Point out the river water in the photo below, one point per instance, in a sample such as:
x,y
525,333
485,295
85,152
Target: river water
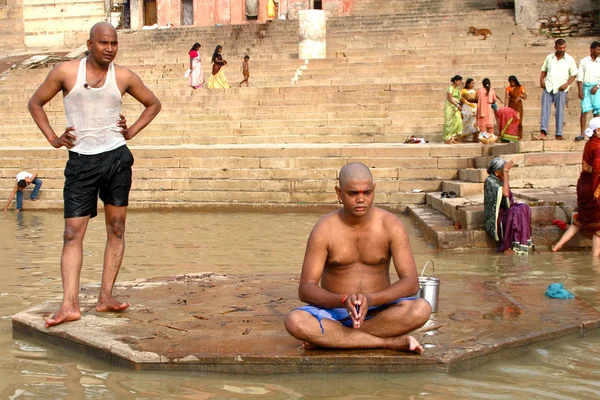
x,y
167,243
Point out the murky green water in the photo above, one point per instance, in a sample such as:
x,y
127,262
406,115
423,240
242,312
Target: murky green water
x,y
161,244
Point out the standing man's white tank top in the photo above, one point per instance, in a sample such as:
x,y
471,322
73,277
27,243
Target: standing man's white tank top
x,y
94,113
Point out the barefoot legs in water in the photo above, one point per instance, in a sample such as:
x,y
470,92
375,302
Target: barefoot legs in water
x,y
72,260
596,245
568,235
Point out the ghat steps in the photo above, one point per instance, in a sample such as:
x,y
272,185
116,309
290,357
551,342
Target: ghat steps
x,y
281,142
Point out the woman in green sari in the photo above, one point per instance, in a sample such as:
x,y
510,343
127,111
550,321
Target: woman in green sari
x,y
453,125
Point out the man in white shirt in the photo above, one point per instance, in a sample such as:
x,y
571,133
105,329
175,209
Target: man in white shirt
x,y
99,162
24,179
588,83
558,72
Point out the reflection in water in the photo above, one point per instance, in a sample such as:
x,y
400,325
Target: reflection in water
x,y
167,243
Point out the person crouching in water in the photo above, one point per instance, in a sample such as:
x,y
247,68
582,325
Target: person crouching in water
x,y
507,221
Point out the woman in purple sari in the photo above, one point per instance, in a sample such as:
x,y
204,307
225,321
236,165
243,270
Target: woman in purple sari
x,y
507,221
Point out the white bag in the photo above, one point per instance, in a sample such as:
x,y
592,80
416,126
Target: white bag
x,y
187,73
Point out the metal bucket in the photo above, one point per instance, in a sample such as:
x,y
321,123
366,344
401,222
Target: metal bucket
x,y
429,288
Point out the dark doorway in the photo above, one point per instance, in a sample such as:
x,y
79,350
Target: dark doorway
x,y
318,4
150,17
126,15
187,12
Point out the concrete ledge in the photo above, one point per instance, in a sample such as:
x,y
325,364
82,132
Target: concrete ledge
x,y
234,324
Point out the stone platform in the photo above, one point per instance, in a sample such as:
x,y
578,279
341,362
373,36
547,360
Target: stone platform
x,y
212,322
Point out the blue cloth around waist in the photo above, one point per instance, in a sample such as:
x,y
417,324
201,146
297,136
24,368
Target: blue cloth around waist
x,y
341,314
590,102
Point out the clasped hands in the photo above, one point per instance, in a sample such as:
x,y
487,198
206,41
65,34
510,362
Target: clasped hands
x,y
357,306
67,139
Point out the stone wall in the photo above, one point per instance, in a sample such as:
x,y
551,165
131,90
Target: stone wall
x,y
559,18
11,26
294,6
60,23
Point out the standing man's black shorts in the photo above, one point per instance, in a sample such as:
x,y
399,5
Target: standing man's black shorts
x,y
86,176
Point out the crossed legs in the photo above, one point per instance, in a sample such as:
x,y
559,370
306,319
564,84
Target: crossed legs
x,y
382,331
72,260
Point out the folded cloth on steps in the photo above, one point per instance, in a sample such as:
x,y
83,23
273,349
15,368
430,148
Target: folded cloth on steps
x,y
556,291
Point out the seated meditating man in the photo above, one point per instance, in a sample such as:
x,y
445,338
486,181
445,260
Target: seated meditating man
x,y
349,251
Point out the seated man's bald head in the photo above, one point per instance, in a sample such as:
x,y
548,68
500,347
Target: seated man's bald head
x,y
100,27
354,171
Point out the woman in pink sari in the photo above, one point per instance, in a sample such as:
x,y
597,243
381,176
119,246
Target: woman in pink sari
x,y
486,96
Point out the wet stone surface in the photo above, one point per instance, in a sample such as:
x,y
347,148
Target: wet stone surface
x,y
234,323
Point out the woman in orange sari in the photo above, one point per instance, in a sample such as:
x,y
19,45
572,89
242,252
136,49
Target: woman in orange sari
x,y
588,193
513,97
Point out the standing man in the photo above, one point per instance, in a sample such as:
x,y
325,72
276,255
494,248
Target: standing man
x,y
558,72
349,252
588,82
24,179
99,161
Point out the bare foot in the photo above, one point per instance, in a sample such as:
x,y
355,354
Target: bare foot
x,y
110,304
508,251
64,314
555,248
405,343
308,346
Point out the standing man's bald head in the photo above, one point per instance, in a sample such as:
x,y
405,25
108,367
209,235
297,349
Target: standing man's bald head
x,y
354,171
101,27
102,45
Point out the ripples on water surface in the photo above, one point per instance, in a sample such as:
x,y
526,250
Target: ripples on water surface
x,y
166,243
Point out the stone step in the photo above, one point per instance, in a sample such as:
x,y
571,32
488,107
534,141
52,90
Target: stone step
x,y
228,200
536,159
388,150
463,189
441,232
468,211
537,177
